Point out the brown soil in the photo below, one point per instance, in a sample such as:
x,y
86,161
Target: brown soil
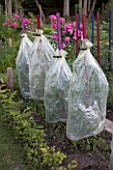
x,y
87,159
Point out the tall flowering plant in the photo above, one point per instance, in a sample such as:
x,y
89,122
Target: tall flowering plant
x,y
16,24
68,31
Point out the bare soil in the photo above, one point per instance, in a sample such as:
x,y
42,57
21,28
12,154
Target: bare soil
x,y
87,159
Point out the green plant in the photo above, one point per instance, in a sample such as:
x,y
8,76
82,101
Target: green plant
x,y
19,118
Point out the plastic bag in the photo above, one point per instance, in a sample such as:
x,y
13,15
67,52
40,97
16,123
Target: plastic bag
x,y
41,60
87,96
111,157
56,90
22,65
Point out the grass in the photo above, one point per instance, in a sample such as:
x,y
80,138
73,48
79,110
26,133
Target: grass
x,y
11,156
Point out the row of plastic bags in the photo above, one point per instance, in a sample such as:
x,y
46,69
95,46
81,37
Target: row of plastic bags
x,y
32,63
77,98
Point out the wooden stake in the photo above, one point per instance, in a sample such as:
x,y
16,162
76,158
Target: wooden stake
x,y
22,23
110,29
38,22
92,28
84,25
59,32
110,38
10,78
77,34
102,10
98,36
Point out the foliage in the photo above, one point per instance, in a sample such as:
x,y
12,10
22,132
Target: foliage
x,y
15,24
68,36
10,152
42,142
106,64
7,55
15,114
68,31
11,29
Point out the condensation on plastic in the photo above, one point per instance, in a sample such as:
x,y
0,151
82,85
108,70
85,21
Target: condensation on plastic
x,y
111,157
56,90
22,66
87,97
41,60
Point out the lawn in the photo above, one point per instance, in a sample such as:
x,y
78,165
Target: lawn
x,y
11,154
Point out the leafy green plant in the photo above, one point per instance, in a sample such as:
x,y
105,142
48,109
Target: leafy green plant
x,y
31,135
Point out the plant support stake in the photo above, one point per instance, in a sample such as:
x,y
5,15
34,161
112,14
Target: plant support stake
x,y
92,28
10,78
84,25
38,22
98,36
110,38
59,32
23,23
77,20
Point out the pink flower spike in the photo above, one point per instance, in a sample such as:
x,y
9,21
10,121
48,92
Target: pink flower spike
x,y
62,20
53,17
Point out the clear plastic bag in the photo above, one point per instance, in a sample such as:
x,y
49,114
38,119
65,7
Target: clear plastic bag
x,y
41,60
111,157
56,90
22,66
87,97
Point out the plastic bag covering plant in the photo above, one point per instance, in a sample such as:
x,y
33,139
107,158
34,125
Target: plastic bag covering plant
x,y
111,157
56,90
22,65
87,96
41,60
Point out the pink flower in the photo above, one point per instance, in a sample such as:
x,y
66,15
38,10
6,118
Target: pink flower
x,y
63,45
62,20
8,22
82,36
53,17
79,33
55,36
64,32
68,26
54,26
26,21
16,16
14,24
70,30
29,28
81,26
74,23
67,39
74,37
